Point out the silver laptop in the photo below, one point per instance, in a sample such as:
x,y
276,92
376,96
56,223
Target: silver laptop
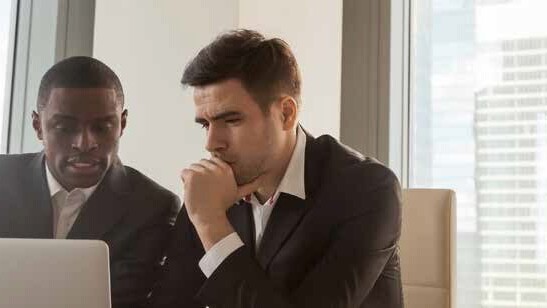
x,y
54,274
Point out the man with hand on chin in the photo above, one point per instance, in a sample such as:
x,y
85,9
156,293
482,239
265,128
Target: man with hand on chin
x,y
276,217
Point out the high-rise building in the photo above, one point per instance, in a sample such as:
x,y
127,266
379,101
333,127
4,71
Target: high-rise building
x,y
442,151
511,172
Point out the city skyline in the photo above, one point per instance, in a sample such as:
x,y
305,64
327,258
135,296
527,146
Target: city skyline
x,y
461,44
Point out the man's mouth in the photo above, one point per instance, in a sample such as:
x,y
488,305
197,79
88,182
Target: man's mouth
x,y
84,165
227,161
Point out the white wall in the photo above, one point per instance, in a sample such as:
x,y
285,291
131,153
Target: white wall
x,y
148,43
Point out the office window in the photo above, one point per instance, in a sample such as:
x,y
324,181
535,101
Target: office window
x,y
478,125
5,63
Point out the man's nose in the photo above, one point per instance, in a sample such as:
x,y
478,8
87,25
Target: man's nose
x,y
215,141
85,141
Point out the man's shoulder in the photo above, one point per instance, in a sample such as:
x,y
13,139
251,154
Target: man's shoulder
x,y
347,172
15,170
143,183
14,162
342,160
355,184
14,158
144,186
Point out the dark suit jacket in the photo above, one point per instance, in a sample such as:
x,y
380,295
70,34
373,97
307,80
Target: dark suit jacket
x,y
128,211
338,248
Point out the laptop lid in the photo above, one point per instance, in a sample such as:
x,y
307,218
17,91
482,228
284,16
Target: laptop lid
x,y
54,273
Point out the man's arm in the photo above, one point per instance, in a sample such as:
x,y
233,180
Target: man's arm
x,y
360,248
181,276
135,270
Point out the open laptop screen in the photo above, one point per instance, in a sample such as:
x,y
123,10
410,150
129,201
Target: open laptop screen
x,y
54,273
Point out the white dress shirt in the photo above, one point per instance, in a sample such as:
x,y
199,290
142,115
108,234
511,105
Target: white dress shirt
x,y
66,205
292,183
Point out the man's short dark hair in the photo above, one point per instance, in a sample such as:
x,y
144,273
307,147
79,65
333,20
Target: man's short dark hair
x,y
78,72
266,68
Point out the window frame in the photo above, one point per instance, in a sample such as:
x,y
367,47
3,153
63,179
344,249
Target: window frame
x,y
7,106
375,81
45,33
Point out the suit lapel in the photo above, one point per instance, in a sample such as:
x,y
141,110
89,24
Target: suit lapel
x,y
289,210
105,207
286,215
241,217
39,209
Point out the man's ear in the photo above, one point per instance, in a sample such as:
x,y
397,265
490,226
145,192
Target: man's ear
x,y
289,112
123,121
37,125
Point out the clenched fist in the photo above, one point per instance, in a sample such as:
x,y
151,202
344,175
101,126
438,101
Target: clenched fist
x,y
210,189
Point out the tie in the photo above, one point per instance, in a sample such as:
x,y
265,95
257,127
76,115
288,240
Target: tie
x,y
241,216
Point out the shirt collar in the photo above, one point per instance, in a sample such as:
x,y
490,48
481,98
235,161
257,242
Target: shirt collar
x,y
55,187
293,182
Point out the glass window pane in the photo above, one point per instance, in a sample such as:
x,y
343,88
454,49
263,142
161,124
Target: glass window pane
x,y
5,25
479,126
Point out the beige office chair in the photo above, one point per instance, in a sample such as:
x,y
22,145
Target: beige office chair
x,y
428,248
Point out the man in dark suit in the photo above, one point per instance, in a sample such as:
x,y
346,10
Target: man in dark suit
x,y
276,218
77,188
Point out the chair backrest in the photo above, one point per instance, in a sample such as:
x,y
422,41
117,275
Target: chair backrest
x,y
428,248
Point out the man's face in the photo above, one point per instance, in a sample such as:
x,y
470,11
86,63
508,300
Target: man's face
x,y
80,129
238,132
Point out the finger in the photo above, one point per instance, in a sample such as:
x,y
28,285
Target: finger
x,y
222,164
249,188
197,167
185,173
209,164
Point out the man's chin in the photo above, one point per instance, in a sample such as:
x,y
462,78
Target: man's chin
x,y
85,184
240,181
80,180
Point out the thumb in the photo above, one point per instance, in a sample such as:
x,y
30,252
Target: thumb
x,y
249,188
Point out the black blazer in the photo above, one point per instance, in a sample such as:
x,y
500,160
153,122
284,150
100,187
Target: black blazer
x,y
128,211
338,248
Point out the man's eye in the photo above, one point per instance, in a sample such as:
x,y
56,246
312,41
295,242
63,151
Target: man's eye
x,y
102,128
232,121
205,125
65,128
